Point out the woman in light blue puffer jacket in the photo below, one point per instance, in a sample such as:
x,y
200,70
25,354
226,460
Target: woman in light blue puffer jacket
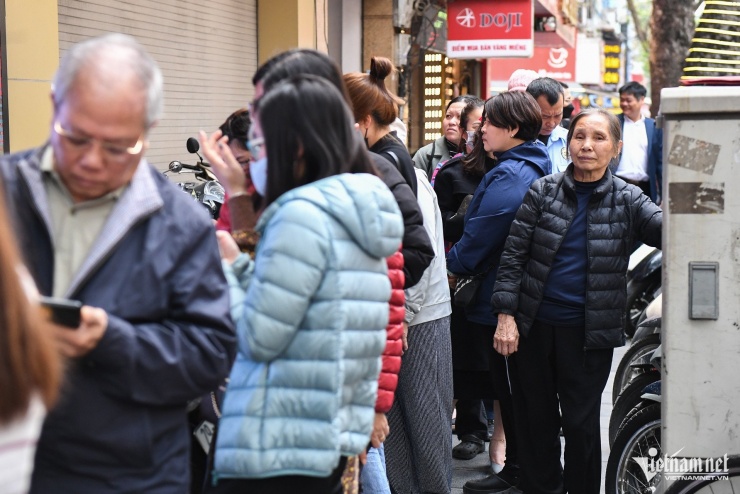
x,y
312,306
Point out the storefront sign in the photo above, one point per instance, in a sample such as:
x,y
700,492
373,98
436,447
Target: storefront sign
x,y
485,29
558,62
612,64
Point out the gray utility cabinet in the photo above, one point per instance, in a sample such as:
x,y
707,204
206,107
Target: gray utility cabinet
x,y
701,271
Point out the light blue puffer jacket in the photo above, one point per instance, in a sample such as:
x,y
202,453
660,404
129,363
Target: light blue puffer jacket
x,y
310,312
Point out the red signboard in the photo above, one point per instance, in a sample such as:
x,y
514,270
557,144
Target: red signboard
x,y
558,62
486,29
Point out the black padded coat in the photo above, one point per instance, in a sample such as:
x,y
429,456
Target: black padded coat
x,y
618,215
417,249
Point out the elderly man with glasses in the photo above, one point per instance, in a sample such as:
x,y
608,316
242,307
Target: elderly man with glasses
x,y
96,223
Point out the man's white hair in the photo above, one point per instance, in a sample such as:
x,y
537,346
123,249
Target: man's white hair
x,y
135,59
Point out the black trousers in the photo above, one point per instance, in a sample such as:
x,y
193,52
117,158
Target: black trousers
x,y
552,374
470,374
500,377
288,484
470,419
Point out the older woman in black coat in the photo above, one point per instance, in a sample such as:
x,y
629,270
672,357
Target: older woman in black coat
x,y
560,296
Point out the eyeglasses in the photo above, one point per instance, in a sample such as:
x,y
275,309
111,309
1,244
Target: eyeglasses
x,y
254,146
113,152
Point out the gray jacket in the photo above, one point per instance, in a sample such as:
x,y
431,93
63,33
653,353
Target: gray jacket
x,y
429,300
428,157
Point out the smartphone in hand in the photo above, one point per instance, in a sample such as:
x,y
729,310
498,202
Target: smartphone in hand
x,y
62,311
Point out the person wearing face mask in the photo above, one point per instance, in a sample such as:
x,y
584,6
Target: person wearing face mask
x,y
416,252
443,148
469,122
550,96
236,128
511,121
417,449
455,181
375,109
310,302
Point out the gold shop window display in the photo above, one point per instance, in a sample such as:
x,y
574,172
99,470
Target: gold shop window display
x,y
432,95
442,78
438,89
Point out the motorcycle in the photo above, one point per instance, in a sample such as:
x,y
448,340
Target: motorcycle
x,y
206,189
643,286
636,359
638,438
645,373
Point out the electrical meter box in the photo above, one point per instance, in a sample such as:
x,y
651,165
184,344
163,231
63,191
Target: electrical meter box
x,y
701,271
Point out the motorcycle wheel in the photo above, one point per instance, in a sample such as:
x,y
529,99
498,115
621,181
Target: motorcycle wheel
x,y
639,296
639,437
625,373
627,400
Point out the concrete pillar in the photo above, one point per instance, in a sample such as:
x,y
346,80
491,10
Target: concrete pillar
x,y
32,52
379,39
286,24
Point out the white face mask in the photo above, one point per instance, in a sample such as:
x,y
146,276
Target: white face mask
x,y
258,173
470,141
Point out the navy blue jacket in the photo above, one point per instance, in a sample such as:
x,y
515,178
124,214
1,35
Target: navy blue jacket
x,y
655,156
489,217
120,424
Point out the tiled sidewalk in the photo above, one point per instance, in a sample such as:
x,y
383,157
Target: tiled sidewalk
x,y
464,470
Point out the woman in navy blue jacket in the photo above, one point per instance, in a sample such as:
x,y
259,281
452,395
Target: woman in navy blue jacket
x,y
511,122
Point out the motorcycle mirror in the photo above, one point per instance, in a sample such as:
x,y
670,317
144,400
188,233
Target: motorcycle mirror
x,y
192,145
175,166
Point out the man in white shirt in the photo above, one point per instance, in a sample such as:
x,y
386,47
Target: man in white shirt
x,y
641,163
550,96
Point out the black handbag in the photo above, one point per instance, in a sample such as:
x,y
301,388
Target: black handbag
x,y
466,288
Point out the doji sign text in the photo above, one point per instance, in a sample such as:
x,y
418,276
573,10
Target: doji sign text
x,y
506,21
481,28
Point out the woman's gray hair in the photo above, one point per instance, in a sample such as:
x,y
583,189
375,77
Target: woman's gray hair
x,y
138,61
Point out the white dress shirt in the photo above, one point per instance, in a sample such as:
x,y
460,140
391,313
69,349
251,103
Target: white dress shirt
x,y
634,162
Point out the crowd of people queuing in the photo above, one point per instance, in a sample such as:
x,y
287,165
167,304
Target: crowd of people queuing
x,y
347,299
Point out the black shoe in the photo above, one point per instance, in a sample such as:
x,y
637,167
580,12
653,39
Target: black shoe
x,y
470,447
506,479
